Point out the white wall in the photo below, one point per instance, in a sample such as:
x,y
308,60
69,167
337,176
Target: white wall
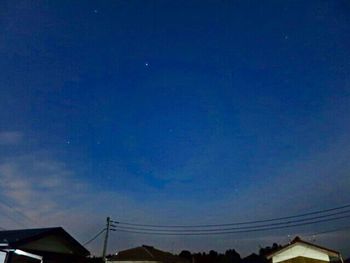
x,y
2,256
300,250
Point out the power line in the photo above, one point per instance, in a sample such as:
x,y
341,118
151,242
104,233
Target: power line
x,y
229,232
331,231
21,214
11,217
96,236
235,223
236,228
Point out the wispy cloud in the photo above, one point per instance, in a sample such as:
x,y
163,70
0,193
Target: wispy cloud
x,y
36,185
38,190
10,137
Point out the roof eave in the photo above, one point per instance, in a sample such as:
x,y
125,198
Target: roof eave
x,y
329,252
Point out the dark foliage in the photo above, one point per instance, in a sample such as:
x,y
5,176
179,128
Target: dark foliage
x,y
268,250
186,255
254,258
230,256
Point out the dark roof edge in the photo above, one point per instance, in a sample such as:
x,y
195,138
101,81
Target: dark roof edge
x,y
50,230
74,242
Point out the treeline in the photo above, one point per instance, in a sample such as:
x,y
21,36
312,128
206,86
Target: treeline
x,y
230,256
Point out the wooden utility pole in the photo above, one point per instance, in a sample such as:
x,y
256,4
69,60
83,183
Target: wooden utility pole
x,y
106,239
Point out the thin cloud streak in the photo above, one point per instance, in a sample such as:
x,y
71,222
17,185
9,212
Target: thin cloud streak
x,y
42,191
10,138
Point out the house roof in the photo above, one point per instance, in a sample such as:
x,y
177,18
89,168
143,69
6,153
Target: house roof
x,y
20,237
298,240
145,253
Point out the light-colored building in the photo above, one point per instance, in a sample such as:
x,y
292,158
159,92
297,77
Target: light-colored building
x,y
300,251
145,254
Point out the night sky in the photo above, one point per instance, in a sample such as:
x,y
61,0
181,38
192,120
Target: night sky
x,y
174,112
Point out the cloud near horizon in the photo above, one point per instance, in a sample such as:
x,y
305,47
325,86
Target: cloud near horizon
x,y
39,191
10,138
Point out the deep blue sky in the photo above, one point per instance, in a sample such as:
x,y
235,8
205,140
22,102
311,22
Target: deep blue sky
x,y
174,112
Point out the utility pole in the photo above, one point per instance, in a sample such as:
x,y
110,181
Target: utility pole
x,y
106,240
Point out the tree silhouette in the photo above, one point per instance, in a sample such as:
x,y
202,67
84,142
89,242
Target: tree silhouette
x,y
186,255
268,250
232,256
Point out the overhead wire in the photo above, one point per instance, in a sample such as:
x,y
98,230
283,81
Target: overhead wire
x,y
332,231
237,228
156,232
325,215
18,212
12,218
94,237
234,223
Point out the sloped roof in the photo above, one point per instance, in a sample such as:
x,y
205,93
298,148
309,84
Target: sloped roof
x,y
20,237
145,253
298,240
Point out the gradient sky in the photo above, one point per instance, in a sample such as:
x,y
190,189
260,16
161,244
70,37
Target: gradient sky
x,y
174,112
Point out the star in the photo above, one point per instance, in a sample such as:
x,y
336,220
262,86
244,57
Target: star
x,y
95,11
68,142
146,64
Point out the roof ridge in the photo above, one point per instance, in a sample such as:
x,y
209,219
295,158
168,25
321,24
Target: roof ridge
x,y
297,240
